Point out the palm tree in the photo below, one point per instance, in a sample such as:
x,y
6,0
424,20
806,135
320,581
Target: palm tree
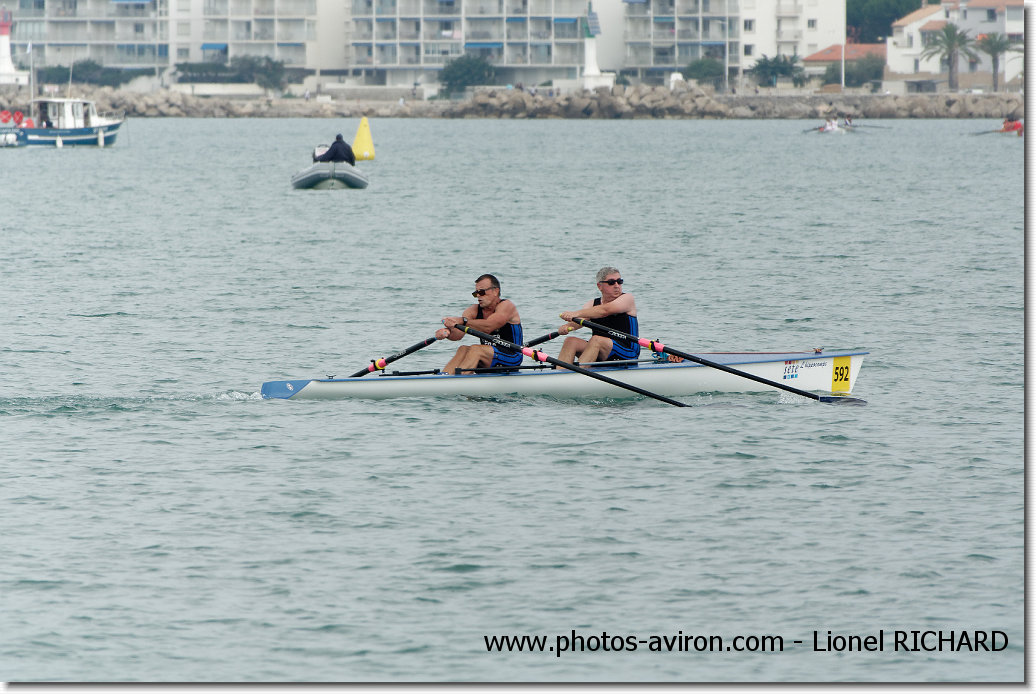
x,y
995,45
949,44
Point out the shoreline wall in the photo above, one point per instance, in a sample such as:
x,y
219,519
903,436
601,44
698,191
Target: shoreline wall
x,y
632,102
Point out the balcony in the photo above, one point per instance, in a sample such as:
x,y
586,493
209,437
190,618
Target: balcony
x,y
539,8
637,56
484,7
483,35
540,55
569,8
568,55
516,55
442,8
663,57
789,8
719,8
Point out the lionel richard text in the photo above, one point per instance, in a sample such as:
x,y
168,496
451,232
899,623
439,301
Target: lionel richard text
x,y
911,640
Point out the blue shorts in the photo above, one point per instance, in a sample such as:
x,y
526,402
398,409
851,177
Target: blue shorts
x,y
506,358
621,352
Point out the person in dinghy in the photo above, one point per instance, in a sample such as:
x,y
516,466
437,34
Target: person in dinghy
x,y
490,314
338,151
614,309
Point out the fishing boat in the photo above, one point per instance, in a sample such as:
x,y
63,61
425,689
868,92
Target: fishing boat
x,y
329,175
58,122
832,372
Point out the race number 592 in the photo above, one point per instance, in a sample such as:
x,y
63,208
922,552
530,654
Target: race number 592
x,y
840,375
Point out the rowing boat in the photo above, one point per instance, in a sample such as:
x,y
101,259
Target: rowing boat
x,y
829,372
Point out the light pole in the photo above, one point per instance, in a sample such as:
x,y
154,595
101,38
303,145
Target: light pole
x,y
845,13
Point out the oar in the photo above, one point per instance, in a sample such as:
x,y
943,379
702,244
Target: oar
x,y
543,338
877,127
381,363
659,347
540,356
987,132
813,130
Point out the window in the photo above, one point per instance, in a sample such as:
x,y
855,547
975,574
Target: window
x,y
138,28
811,24
748,49
183,28
749,26
990,15
917,66
183,54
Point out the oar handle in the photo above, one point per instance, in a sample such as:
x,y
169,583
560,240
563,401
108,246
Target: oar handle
x,y
659,347
540,356
377,364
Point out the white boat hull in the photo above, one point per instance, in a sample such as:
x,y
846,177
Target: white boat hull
x,y
832,372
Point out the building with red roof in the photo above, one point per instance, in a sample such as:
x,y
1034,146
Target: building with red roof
x,y
817,63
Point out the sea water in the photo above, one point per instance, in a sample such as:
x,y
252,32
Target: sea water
x,y
162,522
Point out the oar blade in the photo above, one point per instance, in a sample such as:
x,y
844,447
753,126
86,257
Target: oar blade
x,y
841,400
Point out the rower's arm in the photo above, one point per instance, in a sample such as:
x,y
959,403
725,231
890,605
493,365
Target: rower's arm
x,y
505,312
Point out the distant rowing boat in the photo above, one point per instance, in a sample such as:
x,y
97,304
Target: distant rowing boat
x,y
827,372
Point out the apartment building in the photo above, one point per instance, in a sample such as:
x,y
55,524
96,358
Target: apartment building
x,y
663,35
160,33
115,33
911,35
408,41
402,42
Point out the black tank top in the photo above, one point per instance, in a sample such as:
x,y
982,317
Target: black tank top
x,y
617,321
512,332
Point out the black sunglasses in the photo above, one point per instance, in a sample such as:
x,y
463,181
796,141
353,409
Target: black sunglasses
x,y
482,292
611,282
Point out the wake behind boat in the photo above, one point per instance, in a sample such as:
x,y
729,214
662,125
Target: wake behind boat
x,y
831,372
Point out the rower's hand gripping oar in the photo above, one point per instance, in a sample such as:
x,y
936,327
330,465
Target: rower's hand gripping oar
x,y
377,364
659,347
540,356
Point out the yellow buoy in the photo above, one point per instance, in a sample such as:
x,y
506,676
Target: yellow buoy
x,y
363,145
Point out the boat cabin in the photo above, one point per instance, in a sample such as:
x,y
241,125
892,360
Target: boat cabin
x,y
64,113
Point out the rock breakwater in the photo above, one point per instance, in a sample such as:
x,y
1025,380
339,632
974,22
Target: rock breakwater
x,y
629,102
